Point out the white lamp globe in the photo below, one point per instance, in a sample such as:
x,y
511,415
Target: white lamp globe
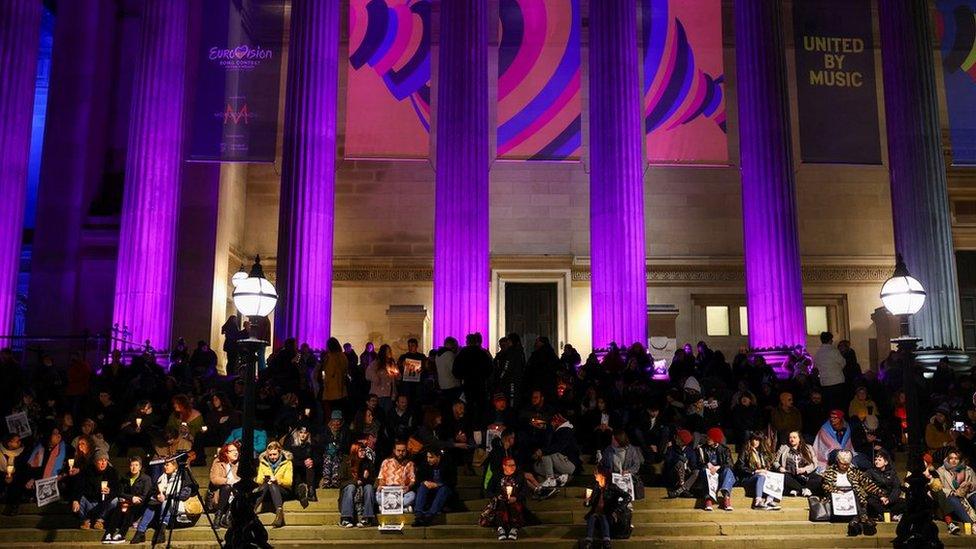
x,y
255,295
902,294
239,276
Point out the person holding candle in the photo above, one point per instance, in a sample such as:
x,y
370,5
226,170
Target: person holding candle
x,y
505,510
138,428
185,418
99,485
331,373
608,511
13,463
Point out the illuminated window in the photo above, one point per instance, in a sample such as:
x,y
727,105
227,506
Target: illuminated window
x,y
717,321
816,320
743,321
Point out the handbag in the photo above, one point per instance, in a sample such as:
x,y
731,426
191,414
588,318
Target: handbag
x,y
819,509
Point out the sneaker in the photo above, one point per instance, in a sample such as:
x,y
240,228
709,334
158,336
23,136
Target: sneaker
x,y
346,523
546,493
727,503
408,510
806,493
502,535
117,539
758,504
562,479
107,539
361,523
954,529
549,482
182,518
140,537
793,493
772,506
513,534
708,505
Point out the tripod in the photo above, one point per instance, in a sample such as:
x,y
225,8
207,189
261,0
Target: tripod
x,y
171,506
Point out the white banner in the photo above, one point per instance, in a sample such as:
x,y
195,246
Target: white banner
x,y
844,503
625,483
392,500
46,490
18,424
773,485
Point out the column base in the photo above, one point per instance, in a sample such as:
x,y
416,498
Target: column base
x,y
928,358
785,361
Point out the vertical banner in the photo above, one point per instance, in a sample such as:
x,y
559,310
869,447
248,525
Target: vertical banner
x,y
955,25
539,105
835,82
683,88
388,85
236,92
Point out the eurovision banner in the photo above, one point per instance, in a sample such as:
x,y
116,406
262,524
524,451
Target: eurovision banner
x,y
539,105
955,24
236,92
388,79
835,82
684,81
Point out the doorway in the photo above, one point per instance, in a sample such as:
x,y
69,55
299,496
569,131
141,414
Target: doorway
x,y
531,310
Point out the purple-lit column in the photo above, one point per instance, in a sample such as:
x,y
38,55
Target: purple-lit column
x,y
305,222
461,268
150,201
919,196
618,280
774,288
20,24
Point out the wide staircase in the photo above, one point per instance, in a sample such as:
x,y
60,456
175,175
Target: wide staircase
x,y
557,522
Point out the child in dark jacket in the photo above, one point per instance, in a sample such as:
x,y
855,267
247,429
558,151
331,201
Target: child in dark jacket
x,y
506,502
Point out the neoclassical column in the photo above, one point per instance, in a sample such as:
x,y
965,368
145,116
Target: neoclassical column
x,y
73,158
20,25
150,200
307,214
774,289
618,280
461,267
919,199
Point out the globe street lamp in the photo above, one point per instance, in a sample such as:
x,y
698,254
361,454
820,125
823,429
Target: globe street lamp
x,y
254,296
903,296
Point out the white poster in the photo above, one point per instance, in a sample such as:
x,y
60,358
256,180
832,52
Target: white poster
x,y
18,424
46,490
411,369
494,432
844,503
392,497
625,483
712,484
773,486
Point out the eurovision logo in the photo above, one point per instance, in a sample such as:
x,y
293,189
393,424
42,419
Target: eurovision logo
x,y
240,58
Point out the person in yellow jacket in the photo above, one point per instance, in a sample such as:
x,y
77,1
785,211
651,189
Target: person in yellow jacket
x,y
274,480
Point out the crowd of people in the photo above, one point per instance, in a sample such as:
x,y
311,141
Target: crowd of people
x,y
525,421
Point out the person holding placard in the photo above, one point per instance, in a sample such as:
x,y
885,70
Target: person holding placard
x,y
795,460
505,510
752,467
716,462
848,489
623,458
397,470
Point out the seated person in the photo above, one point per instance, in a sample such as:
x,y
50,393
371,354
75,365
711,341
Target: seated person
x,y
397,470
356,490
171,444
501,414
335,441
303,454
98,486
504,447
681,467
958,485
883,474
608,511
751,468
172,483
861,405
834,434
436,480
457,430
401,422
274,480
624,458
138,428
560,457
795,460
223,477
715,459
135,489
842,477
505,510
13,463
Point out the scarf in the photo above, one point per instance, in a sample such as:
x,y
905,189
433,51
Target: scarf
x,y
54,462
826,442
958,473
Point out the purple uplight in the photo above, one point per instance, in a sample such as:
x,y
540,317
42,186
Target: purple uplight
x,y
307,216
461,265
20,27
618,286
774,289
150,203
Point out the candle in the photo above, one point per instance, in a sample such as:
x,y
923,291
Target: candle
x,y
183,424
71,463
203,429
138,422
10,470
589,492
968,528
308,412
887,517
104,485
508,491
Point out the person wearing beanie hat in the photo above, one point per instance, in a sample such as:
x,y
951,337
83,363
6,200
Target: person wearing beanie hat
x,y
716,466
335,443
560,457
681,466
97,490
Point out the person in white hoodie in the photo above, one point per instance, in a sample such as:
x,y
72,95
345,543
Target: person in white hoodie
x,y
450,386
830,364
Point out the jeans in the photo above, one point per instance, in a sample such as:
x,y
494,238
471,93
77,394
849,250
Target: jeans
x,y
595,520
408,498
424,506
554,464
347,503
958,509
758,481
95,510
726,480
151,513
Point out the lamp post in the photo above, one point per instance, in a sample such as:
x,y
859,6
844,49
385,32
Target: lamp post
x,y
254,296
903,296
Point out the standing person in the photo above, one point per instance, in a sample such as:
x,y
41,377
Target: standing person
x,y
332,372
541,368
473,367
232,334
382,374
508,369
830,364
449,385
411,387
